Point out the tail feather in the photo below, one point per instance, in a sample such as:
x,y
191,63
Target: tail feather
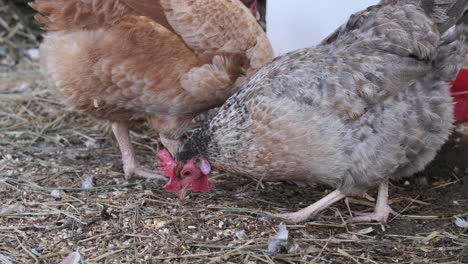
x,y
446,13
451,53
78,14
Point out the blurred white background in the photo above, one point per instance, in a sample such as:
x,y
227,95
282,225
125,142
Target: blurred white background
x,y
294,24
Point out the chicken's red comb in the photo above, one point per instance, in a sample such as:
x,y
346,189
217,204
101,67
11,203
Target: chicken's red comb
x,y
168,166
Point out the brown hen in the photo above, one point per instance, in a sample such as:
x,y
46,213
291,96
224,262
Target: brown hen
x,y
162,61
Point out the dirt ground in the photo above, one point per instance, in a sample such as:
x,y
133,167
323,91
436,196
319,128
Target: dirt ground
x,y
62,190
48,151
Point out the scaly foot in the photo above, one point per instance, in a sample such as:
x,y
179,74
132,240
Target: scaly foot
x,y
130,166
382,208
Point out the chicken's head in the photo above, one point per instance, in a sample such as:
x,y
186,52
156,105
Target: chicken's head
x,y
193,175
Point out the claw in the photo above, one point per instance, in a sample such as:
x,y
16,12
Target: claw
x,y
382,208
379,215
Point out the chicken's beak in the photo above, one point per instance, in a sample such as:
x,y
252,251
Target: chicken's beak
x,y
182,192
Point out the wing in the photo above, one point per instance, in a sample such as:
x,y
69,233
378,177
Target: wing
x,y
211,26
378,53
354,22
151,9
75,14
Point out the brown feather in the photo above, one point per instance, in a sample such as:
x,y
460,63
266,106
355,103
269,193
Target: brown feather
x,y
152,9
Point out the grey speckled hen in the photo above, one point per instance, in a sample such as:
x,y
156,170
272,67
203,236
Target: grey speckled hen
x,y
371,103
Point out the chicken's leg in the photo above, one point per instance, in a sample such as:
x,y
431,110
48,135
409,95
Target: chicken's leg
x,y
130,166
382,208
312,210
170,144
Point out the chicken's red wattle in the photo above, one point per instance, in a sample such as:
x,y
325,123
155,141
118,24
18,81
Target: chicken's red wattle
x,y
201,185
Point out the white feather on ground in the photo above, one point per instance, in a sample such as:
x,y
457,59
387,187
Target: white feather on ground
x,y
5,260
461,222
87,182
280,241
73,258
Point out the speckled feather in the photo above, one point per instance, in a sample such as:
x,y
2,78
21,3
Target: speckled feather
x,y
370,103
133,60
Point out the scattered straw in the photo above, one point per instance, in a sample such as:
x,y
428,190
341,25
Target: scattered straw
x,y
45,146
